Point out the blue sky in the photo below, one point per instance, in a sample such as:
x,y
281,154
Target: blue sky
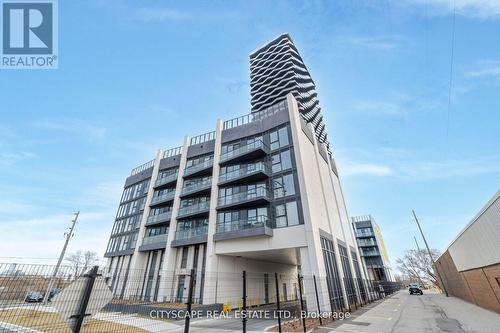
x,y
137,76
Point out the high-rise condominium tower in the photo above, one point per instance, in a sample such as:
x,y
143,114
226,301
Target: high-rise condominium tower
x,y
260,193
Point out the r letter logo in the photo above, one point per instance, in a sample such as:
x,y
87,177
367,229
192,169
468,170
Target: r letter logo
x,y
29,34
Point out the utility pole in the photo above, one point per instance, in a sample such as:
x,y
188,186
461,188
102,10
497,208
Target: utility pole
x,y
418,248
61,257
429,251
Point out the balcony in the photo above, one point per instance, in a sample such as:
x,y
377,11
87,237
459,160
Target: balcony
x,y
252,227
194,210
203,186
370,253
246,173
252,197
248,152
360,233
169,196
190,236
154,242
166,180
160,218
199,169
367,242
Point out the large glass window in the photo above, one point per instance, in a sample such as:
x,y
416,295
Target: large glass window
x,y
286,214
281,161
279,138
283,186
198,160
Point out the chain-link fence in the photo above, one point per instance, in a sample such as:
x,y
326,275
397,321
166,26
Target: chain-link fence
x,y
98,300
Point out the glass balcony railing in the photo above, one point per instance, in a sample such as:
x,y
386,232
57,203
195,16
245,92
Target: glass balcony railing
x,y
370,253
163,217
155,239
253,194
191,233
198,167
163,198
364,233
366,242
198,186
257,145
166,180
244,171
194,209
244,224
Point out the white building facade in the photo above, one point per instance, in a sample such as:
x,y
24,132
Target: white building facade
x,y
261,194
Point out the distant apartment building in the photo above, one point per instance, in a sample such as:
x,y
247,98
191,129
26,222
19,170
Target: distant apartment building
x,y
260,193
470,266
372,248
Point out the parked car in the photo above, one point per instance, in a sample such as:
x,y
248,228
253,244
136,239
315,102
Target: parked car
x,y
54,292
415,289
34,297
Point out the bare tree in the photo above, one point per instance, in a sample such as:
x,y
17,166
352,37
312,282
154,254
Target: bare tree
x,y
418,266
89,259
75,260
80,261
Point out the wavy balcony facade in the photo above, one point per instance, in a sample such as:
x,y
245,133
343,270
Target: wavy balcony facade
x,y
276,70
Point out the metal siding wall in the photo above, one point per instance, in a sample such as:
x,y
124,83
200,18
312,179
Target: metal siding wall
x,y
479,245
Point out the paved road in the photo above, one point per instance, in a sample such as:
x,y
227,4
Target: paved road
x,y
414,313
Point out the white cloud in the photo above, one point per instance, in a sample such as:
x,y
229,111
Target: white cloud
x,y
161,14
9,159
487,69
74,127
379,107
382,43
370,169
477,9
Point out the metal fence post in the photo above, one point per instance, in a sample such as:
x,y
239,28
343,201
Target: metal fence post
x,y
317,300
278,301
189,301
85,300
301,303
244,318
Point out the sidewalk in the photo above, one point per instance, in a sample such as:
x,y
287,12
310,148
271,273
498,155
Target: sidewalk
x,y
471,317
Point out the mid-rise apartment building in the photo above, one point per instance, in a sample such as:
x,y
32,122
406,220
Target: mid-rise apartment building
x,y
372,248
260,193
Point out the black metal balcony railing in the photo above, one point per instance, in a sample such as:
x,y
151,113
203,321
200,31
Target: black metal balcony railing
x,y
196,187
191,233
244,172
155,239
163,217
248,149
166,180
194,209
163,198
243,224
256,194
198,167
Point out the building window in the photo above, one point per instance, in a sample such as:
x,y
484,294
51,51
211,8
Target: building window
x,y
279,138
286,214
184,258
198,160
281,161
283,186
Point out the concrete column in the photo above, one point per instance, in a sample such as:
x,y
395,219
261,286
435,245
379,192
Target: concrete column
x,y
168,277
312,256
138,264
209,292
